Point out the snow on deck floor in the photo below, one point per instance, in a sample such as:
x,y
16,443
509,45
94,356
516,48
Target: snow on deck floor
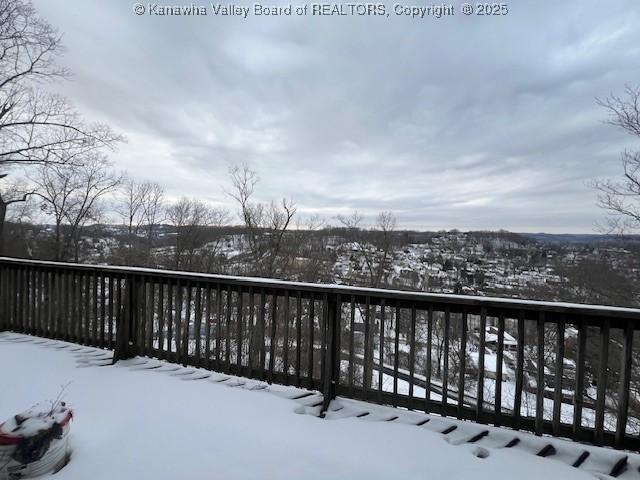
x,y
138,424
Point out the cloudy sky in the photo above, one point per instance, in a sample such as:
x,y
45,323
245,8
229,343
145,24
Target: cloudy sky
x,y
458,122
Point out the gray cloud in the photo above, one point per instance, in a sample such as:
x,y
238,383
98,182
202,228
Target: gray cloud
x,y
452,122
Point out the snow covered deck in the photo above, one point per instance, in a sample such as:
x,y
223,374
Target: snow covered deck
x,y
145,418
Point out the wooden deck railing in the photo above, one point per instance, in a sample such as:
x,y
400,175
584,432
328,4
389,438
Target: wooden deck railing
x,y
376,345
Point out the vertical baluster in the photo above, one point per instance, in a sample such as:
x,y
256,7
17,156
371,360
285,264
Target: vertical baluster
x,y
366,378
13,297
94,319
68,305
463,363
170,316
86,319
119,304
499,360
19,300
23,298
602,381
20,291
445,369
89,309
41,304
218,326
252,336
151,314
540,376
517,402
273,339
352,362
285,348
198,327
9,296
312,318
57,311
50,303
178,322
412,354
77,305
261,334
161,318
381,353
482,334
579,388
396,357
26,300
31,305
625,379
207,332
323,341
112,311
227,330
557,394
103,310
143,284
5,297
186,333
37,294
337,338
239,325
33,290
140,284
84,308
429,366
298,337
20,311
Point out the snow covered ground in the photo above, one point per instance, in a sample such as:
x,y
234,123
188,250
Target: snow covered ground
x,y
134,423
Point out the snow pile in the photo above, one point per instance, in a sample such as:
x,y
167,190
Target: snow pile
x,y
35,442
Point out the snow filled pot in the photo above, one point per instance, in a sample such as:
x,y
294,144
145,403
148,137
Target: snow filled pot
x,y
35,442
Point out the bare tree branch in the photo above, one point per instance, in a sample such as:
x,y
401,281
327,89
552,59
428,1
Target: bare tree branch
x,y
621,198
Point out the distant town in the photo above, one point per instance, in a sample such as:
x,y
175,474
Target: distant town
x,y
597,269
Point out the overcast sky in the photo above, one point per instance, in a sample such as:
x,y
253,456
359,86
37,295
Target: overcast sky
x,y
458,122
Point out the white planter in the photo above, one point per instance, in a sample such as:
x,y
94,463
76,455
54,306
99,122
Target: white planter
x,y
35,442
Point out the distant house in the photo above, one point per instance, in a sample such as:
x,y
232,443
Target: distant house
x,y
491,340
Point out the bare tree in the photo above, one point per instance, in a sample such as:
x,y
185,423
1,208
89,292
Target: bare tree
x,y
131,211
14,193
306,252
621,198
194,220
153,204
374,246
71,195
37,127
140,205
266,223
20,219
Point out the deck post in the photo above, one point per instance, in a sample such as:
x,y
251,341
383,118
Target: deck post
x,y
331,375
126,322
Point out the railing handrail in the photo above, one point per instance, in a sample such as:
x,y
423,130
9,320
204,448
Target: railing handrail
x,y
346,290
